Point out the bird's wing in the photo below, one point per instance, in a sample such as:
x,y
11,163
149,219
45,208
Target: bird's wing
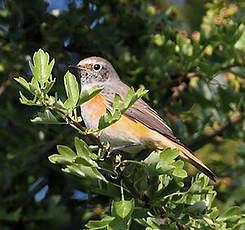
x,y
144,114
139,111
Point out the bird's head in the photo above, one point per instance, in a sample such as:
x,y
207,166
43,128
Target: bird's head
x,y
95,71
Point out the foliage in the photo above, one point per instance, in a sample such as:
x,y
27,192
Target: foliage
x,y
196,78
153,185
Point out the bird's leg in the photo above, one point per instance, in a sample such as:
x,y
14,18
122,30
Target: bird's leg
x,y
115,148
116,172
119,147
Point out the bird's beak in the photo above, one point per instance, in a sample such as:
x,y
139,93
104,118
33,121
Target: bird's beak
x,y
73,67
78,67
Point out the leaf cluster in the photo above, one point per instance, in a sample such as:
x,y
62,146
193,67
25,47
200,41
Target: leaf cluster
x,y
157,197
191,58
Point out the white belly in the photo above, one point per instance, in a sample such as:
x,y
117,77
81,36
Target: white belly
x,y
121,138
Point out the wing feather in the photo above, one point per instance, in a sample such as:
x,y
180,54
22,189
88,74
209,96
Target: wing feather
x,y
140,111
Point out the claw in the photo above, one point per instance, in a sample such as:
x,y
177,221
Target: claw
x,y
120,147
116,175
116,148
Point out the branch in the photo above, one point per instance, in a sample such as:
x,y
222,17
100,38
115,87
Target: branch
x,y
164,215
205,139
226,68
177,81
78,125
4,85
179,78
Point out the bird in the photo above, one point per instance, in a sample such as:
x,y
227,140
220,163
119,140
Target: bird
x,y
140,127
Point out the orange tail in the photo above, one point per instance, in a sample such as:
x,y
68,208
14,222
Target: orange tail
x,y
187,156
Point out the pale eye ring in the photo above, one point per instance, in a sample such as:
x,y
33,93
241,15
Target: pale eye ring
x,y
97,67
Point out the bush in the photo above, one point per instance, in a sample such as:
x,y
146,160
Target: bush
x,y
195,76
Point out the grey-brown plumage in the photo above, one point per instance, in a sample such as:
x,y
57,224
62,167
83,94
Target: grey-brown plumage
x,y
96,71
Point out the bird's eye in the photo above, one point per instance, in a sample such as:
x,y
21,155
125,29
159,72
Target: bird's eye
x,y
97,67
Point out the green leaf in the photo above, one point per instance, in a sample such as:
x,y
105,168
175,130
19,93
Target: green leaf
x,y
26,101
197,209
167,157
60,159
158,39
179,172
72,91
120,106
23,82
83,161
100,224
13,216
66,155
215,213
86,95
82,148
65,151
109,118
153,159
34,83
179,164
240,44
122,209
84,171
185,45
118,102
230,213
238,70
118,224
151,221
132,97
46,117
83,151
34,90
48,86
41,68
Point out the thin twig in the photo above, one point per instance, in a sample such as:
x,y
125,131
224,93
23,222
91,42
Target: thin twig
x,y
4,85
78,125
205,139
163,213
182,77
176,81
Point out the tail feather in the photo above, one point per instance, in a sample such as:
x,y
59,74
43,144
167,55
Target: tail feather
x,y
186,155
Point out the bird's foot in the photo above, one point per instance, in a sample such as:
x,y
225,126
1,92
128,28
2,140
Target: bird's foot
x,y
120,147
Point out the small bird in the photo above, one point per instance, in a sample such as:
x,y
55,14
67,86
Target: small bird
x,y
140,127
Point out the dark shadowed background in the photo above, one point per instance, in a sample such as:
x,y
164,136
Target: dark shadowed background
x,y
189,54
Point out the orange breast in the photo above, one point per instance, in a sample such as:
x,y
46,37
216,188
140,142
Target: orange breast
x,y
93,110
125,130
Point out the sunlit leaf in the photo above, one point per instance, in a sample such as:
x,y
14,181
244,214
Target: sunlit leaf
x,y
100,224
26,101
46,117
83,151
72,91
23,82
84,171
41,68
86,95
109,118
230,213
123,208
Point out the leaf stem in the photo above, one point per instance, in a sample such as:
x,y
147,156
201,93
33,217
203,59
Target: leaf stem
x,y
78,125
